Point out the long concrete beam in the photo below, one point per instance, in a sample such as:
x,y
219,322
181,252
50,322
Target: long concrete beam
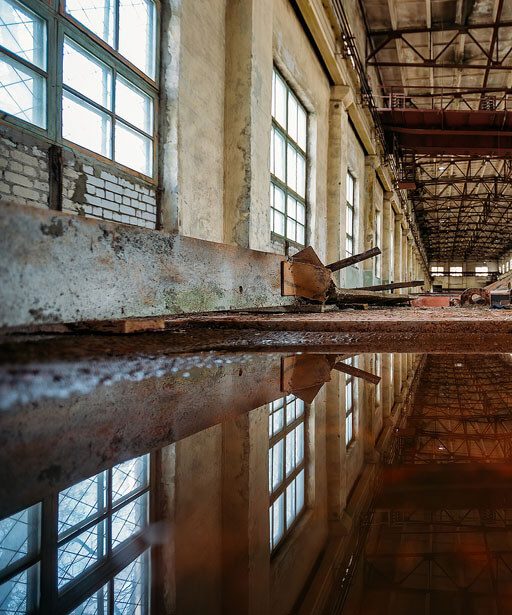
x,y
56,267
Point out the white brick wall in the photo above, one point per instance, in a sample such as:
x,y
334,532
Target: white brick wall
x,y
23,173
88,188
101,194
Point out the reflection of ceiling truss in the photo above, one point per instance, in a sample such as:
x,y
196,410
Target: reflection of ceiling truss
x,y
440,535
462,411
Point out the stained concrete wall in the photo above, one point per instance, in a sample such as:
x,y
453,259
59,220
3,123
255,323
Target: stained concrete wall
x,y
213,165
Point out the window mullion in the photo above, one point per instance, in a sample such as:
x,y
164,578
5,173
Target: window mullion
x,y
55,68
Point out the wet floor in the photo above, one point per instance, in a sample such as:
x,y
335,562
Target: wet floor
x,y
273,479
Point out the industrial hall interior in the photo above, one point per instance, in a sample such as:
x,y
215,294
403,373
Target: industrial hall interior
x,y
255,307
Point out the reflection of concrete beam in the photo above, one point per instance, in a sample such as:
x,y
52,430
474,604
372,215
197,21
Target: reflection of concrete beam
x,y
446,486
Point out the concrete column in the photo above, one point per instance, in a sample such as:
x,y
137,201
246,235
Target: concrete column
x,y
368,213
247,107
410,256
245,524
397,256
405,255
387,384
336,451
388,230
336,174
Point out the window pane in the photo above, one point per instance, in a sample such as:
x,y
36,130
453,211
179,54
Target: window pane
x,y
350,221
86,74
350,189
301,175
292,116
292,209
22,92
82,501
278,223
85,125
279,155
291,513
133,149
291,231
134,106
348,429
299,444
280,100
277,464
291,170
299,486
97,15
19,536
277,519
301,212
129,519
137,33
95,604
130,588
278,421
290,411
290,452
23,33
20,594
302,128
278,199
81,552
130,476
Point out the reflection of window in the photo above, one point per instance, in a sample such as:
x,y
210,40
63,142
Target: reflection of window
x,y
91,531
456,271
482,271
350,222
107,104
437,270
288,154
350,402
286,463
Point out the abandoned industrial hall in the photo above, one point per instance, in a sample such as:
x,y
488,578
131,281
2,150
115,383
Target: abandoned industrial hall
x,y
256,307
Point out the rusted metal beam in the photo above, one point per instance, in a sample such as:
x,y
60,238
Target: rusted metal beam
x,y
393,285
352,260
357,373
440,28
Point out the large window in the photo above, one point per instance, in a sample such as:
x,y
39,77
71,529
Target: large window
x,y
350,402
456,271
288,156
84,74
437,271
286,465
350,217
482,271
93,560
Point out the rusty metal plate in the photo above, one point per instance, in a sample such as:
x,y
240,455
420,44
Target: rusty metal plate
x,y
304,280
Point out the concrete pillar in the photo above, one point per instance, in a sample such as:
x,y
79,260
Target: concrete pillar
x,y
405,255
388,230
386,384
245,521
337,174
247,106
336,451
410,256
368,213
397,256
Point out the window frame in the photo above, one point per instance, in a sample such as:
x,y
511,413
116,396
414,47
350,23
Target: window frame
x,y
58,25
50,598
275,494
283,185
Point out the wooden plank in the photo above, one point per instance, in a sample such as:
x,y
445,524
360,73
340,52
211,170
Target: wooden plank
x,y
352,260
392,285
122,326
304,280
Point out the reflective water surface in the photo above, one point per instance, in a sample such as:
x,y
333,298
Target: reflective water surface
x,y
261,482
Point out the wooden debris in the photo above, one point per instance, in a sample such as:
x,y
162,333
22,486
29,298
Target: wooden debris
x,y
352,260
342,296
124,326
